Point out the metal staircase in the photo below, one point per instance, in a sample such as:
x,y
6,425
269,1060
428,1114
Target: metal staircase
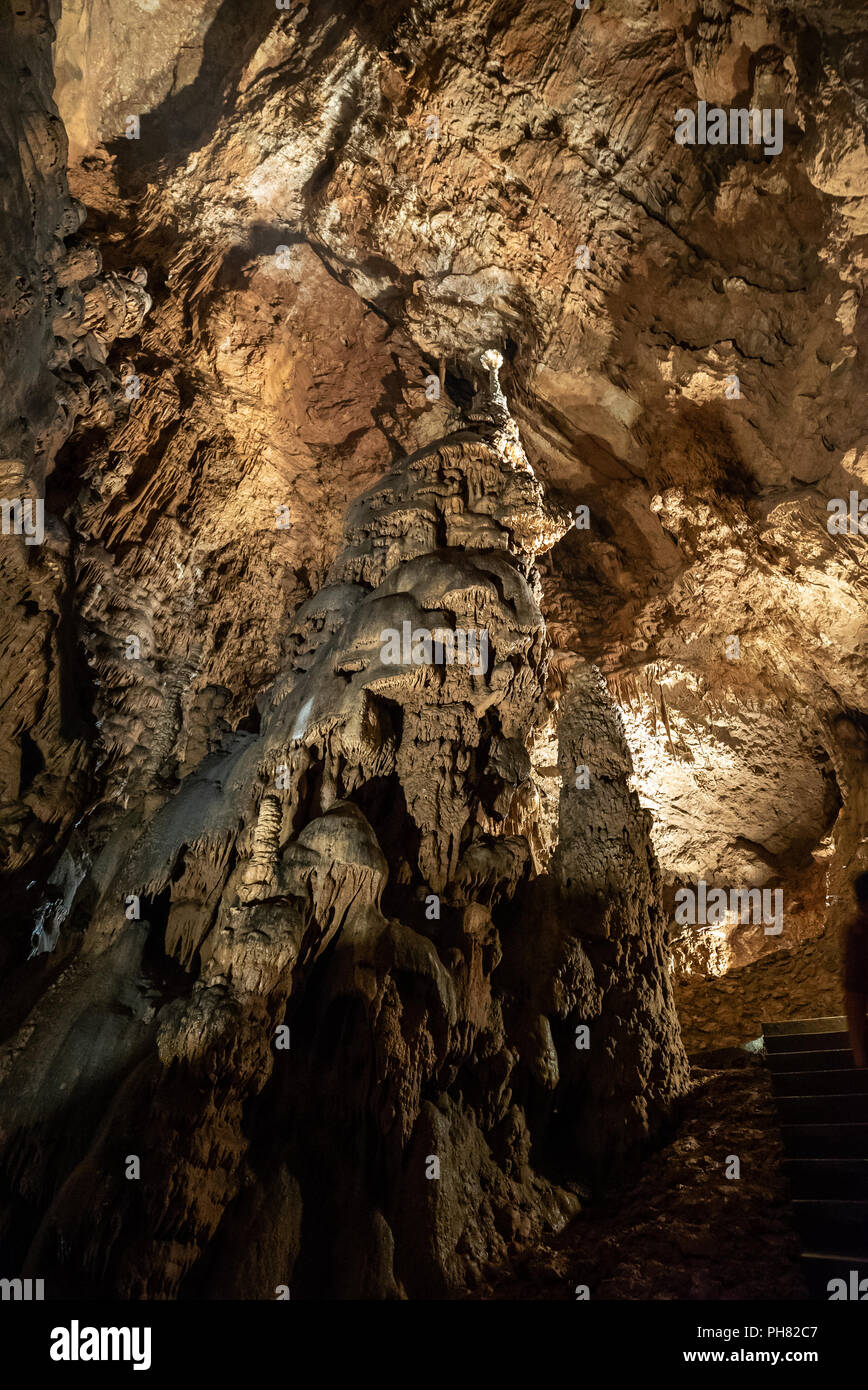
x,y
822,1105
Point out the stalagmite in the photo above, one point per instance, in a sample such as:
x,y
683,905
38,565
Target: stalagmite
x,y
406,760
432,616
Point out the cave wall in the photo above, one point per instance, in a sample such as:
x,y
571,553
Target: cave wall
x,y
61,316
283,181
324,975
220,331
728,1008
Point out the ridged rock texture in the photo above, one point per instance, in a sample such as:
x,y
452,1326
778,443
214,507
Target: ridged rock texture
x,y
257,266
390,1037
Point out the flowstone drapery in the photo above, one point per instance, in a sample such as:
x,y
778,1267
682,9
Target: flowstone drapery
x,y
353,1040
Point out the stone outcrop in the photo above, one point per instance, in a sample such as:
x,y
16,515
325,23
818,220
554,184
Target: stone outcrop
x,y
248,261
371,1004
681,1229
61,315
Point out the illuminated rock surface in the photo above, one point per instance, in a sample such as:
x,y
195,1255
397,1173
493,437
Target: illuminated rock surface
x,y
242,365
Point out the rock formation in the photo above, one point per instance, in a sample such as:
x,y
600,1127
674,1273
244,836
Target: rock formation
x,y
594,397
379,1012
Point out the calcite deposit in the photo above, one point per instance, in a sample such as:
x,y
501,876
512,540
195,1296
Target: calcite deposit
x,y
417,463
369,958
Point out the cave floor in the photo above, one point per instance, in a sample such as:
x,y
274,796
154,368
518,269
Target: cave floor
x,y
679,1228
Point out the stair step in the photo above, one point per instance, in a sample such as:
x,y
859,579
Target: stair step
x,y
827,1177
832,1225
806,1042
828,1059
822,1103
837,1082
825,1141
823,1109
835,1023
819,1268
